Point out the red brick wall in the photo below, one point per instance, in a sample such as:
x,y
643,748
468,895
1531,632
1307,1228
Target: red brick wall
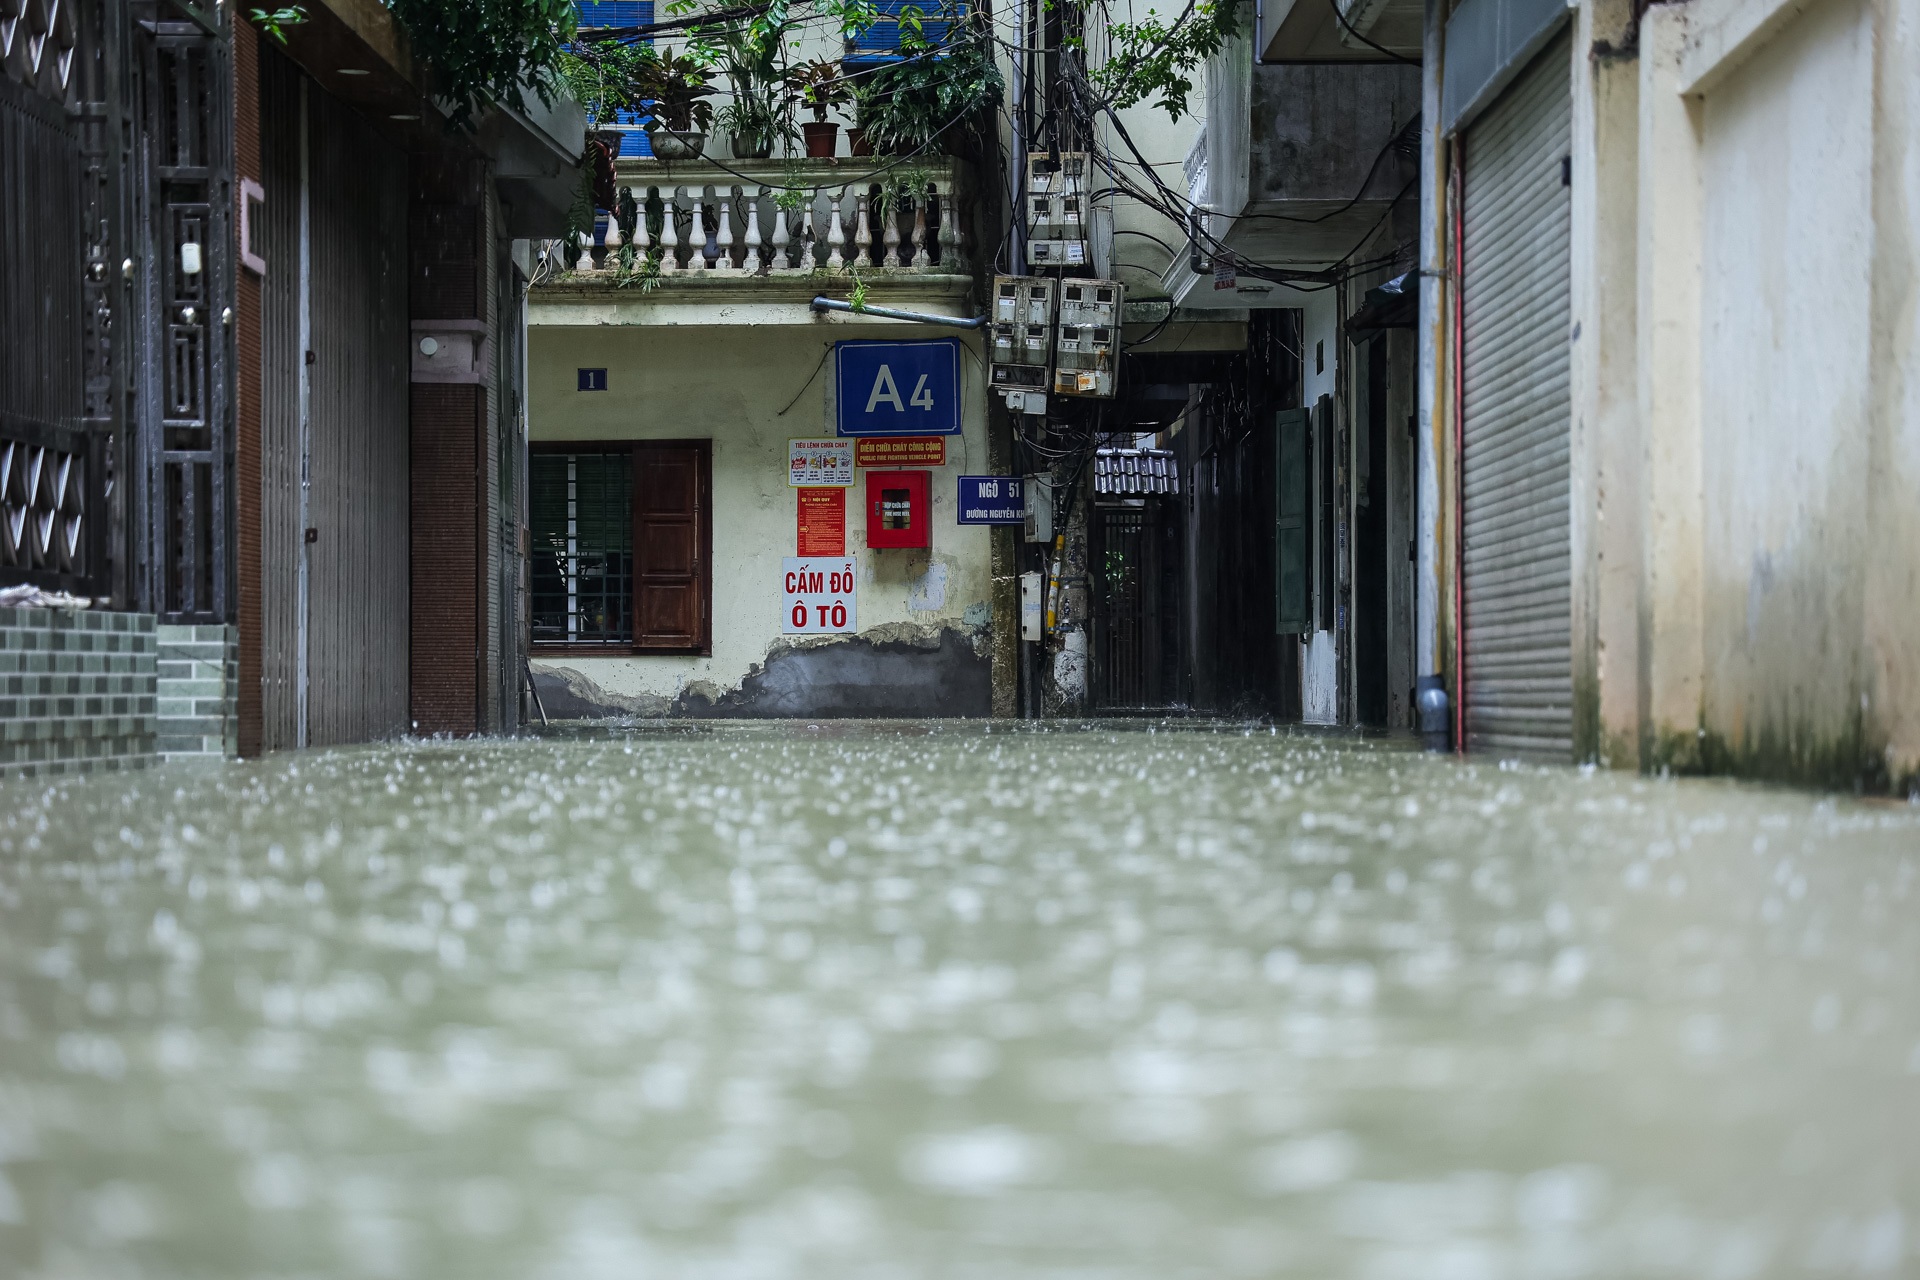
x,y
445,663
247,403
446,277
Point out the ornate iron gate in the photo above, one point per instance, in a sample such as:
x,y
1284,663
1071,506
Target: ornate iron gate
x,y
58,224
115,296
182,178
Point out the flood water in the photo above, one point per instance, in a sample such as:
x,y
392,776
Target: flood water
x,y
952,1001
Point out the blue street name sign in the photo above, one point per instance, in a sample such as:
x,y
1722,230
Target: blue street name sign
x,y
897,388
991,500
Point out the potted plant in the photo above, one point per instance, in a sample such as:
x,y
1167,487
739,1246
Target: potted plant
x,y
674,88
752,55
817,86
943,91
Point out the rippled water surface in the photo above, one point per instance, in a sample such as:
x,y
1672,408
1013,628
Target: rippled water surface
x,y
898,1001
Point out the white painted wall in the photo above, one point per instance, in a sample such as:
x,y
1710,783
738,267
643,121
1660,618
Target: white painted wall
x,y
1786,169
1747,421
730,385
1139,262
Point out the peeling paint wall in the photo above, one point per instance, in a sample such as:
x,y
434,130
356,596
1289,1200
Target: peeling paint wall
x,y
923,643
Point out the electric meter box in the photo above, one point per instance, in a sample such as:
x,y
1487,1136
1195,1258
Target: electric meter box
x,y
1056,209
899,509
1022,334
1086,350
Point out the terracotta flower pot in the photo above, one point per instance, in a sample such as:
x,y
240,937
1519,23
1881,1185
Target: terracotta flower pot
x,y
857,143
677,144
822,137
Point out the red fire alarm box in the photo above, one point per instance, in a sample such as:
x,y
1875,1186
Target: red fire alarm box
x,y
899,509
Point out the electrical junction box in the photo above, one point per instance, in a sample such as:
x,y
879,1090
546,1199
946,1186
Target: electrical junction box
x,y
1056,253
1031,623
1022,335
1039,494
1032,403
1056,209
1086,352
899,509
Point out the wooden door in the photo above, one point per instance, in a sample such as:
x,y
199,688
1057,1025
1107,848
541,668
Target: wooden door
x,y
673,546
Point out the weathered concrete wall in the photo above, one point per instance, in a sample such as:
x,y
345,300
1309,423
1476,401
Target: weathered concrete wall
x,y
923,644
1747,415
1786,344
1319,127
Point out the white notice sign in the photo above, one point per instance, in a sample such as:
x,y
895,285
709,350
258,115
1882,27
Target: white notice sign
x,y
820,464
817,594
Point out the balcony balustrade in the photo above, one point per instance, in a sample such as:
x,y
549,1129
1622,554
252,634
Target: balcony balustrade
x,y
773,218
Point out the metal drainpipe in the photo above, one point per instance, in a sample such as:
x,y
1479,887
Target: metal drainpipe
x,y
1433,713
304,583
889,313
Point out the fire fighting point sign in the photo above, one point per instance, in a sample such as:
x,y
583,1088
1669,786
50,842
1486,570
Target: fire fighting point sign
x,y
817,594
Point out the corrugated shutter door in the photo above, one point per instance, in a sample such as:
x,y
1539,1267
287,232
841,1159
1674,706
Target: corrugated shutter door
x,y
1516,280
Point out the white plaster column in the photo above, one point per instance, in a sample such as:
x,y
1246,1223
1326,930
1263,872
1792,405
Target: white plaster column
x,y
1668,294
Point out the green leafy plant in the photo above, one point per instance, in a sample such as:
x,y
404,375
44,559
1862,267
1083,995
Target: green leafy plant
x,y
751,54
942,93
275,21
635,269
487,52
1149,59
602,76
818,86
677,86
858,299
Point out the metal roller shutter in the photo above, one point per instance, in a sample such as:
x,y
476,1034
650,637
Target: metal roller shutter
x,y
1516,556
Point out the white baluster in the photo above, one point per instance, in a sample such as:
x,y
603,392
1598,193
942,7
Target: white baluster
x,y
949,228
584,243
697,236
890,229
753,199
781,237
613,238
724,238
862,233
806,233
669,236
836,233
921,258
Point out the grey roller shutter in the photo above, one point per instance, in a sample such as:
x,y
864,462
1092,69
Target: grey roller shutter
x,y
1516,556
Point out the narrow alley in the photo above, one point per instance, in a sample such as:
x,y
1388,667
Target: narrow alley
x,y
952,1000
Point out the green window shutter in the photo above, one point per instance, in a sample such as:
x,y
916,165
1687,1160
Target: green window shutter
x,y
1291,543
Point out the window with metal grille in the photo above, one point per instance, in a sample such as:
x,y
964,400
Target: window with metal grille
x,y
582,548
621,537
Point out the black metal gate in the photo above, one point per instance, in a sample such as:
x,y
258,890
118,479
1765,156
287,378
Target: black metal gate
x,y
58,414
1136,608
182,176
115,302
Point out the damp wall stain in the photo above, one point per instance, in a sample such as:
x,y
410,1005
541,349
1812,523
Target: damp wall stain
x,y
891,672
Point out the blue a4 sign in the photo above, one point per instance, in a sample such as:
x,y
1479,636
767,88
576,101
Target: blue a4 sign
x,y
897,388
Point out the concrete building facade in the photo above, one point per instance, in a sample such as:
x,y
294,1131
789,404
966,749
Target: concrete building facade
x,y
1741,447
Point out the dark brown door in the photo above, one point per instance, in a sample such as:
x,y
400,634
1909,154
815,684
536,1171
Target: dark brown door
x,y
672,545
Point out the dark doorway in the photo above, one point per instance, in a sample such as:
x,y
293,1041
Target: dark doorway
x,y
1371,630
1135,566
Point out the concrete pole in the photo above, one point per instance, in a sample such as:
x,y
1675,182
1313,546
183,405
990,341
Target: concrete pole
x,y
1436,300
